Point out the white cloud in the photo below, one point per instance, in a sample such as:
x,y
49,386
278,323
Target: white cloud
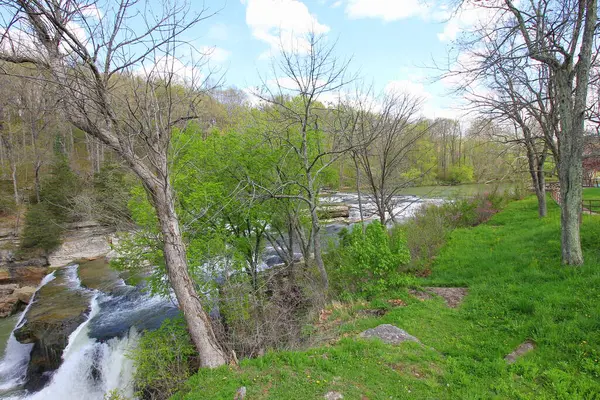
x,y
215,54
388,10
171,67
469,15
432,107
281,23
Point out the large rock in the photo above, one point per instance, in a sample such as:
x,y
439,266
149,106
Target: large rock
x,y
85,241
333,211
389,334
12,298
57,311
25,293
9,305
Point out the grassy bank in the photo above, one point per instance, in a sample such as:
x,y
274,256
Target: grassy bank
x,y
591,194
517,291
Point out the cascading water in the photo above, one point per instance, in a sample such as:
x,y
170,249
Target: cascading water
x,y
95,361
16,356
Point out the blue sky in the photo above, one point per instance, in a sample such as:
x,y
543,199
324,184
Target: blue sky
x,y
393,43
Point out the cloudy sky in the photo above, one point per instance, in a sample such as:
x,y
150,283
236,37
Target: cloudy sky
x,y
392,43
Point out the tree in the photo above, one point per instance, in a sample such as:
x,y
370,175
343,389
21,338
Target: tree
x,y
389,138
298,120
42,230
517,95
560,34
120,78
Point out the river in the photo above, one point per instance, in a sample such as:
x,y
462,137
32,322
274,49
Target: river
x,y
99,317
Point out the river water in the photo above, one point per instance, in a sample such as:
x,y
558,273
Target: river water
x,y
95,360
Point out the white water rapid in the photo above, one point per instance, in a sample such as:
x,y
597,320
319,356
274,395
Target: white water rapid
x,y
95,361
13,366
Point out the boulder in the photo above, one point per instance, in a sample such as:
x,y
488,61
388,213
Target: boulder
x,y
55,314
5,275
8,305
86,241
389,334
25,293
29,275
333,396
333,211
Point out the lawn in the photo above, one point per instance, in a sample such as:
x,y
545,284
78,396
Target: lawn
x,y
591,194
517,291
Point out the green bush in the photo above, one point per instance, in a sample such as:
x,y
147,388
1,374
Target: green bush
x,y
426,233
42,231
163,360
460,174
59,190
7,205
368,263
111,195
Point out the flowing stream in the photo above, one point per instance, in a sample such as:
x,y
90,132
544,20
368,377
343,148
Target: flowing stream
x,y
95,360
104,317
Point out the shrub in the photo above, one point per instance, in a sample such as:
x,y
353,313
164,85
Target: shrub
x,y
369,262
7,205
59,190
163,360
460,174
426,233
41,231
111,195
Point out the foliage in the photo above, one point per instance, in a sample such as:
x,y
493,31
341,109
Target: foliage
x,y
368,263
460,174
59,189
42,230
517,291
115,394
7,205
163,360
111,194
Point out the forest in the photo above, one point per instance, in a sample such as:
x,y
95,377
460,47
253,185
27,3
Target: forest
x,y
223,202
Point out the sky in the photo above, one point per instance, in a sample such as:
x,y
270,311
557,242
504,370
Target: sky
x,y
393,44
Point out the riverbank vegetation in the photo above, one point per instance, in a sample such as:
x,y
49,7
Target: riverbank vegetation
x,y
515,293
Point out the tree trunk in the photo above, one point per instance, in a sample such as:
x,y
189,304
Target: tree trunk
x,y
317,246
38,165
536,171
14,182
541,181
199,325
360,206
570,172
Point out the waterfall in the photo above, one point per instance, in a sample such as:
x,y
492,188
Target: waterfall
x,y
95,360
13,366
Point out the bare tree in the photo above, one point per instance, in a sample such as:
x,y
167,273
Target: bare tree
x,y
120,78
560,34
516,92
386,139
303,77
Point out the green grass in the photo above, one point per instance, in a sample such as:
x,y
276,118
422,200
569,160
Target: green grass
x,y
517,291
591,194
